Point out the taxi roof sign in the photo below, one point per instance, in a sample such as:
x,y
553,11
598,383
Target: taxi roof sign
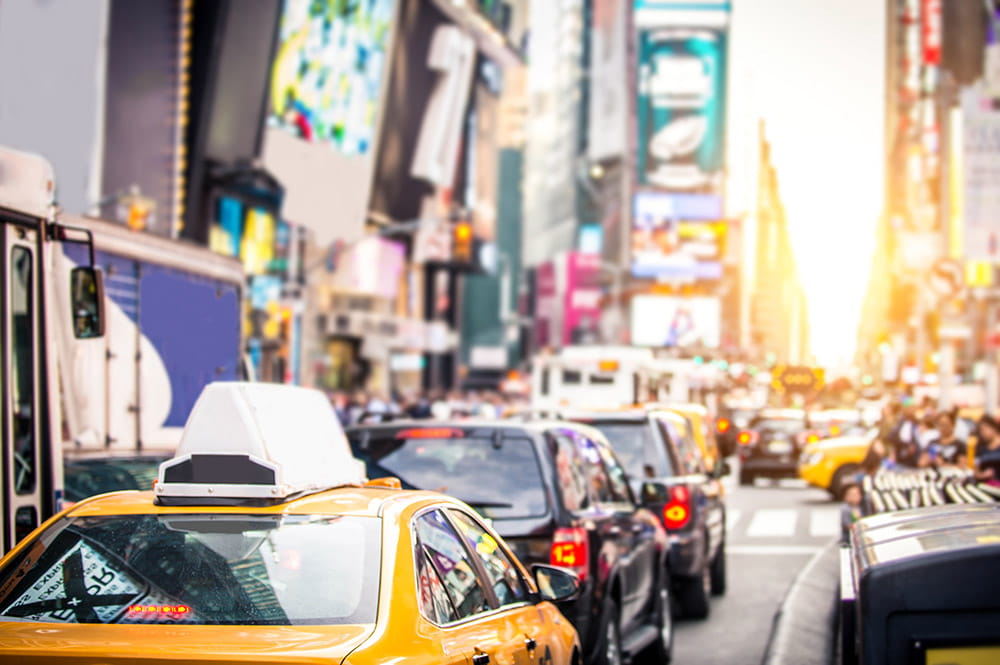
x,y
257,442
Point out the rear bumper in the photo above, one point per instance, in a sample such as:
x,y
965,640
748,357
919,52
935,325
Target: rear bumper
x,y
687,553
784,466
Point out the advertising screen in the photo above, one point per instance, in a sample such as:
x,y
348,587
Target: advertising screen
x,y
327,73
675,321
677,236
681,107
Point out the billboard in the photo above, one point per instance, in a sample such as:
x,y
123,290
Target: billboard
x,y
677,237
681,107
676,322
582,309
980,166
606,133
326,78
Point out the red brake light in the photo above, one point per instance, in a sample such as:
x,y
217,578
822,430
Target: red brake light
x,y
723,425
169,611
677,512
570,549
744,438
430,433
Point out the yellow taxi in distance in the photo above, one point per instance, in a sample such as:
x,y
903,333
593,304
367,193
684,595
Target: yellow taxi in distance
x,y
257,547
701,431
831,464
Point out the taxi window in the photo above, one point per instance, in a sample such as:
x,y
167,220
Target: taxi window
x,y
452,563
432,598
499,477
198,569
506,580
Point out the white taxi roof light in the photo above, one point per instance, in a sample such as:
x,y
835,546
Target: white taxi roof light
x,y
258,441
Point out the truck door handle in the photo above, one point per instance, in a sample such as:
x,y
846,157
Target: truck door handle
x,y
481,659
530,644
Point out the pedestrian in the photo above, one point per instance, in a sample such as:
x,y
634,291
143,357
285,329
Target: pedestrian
x,y
948,449
850,510
988,450
903,436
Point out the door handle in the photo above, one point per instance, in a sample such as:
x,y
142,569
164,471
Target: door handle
x,y
481,658
530,643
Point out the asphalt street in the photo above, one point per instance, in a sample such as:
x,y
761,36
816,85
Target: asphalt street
x,y
773,530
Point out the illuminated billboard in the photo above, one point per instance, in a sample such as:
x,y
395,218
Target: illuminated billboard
x,y
681,107
677,237
675,322
327,73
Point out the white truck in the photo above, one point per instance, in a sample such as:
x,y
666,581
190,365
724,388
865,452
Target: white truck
x,y
106,339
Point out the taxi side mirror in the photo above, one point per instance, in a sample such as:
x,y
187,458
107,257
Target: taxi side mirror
x,y
555,584
86,288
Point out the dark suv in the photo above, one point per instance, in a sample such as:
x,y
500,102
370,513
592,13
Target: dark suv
x,y
558,495
670,477
771,444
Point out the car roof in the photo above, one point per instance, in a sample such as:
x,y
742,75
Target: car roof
x,y
473,426
625,415
782,413
356,501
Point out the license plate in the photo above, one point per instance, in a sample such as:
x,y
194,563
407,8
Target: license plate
x,y
779,447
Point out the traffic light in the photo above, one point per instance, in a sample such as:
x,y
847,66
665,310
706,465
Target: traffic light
x,y
461,242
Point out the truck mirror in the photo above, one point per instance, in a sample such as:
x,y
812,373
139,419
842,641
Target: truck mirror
x,y
86,287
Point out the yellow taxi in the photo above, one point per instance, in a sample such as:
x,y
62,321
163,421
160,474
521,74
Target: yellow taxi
x,y
831,464
261,542
702,432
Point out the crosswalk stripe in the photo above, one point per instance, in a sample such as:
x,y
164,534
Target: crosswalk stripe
x,y
772,550
824,522
775,522
732,517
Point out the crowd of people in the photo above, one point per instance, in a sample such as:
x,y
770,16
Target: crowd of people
x,y
358,407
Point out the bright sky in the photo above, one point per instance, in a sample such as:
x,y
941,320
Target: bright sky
x,y
814,70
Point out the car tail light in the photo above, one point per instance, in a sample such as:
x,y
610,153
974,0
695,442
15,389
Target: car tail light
x,y
746,438
677,512
570,549
812,437
430,433
723,426
834,430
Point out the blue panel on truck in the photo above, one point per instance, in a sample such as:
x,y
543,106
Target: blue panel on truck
x,y
194,324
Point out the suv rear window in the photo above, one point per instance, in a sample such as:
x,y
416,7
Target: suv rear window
x,y
783,425
634,446
198,569
498,477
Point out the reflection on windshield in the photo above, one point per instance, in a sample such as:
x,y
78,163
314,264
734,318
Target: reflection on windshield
x,y
199,569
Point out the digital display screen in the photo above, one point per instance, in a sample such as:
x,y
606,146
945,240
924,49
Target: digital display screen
x,y
328,70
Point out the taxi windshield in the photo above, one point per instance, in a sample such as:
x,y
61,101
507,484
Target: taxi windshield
x,y
198,569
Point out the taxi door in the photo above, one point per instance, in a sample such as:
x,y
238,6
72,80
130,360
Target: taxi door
x,y
473,630
523,635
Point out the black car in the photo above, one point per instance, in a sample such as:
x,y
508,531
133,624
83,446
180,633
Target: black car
x,y
670,476
730,422
557,495
770,446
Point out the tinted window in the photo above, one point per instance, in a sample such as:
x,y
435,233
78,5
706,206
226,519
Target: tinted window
x,y
452,564
601,490
571,472
198,569
22,367
504,576
616,474
91,477
635,448
687,450
498,477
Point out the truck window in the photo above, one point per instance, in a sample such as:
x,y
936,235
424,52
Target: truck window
x,y
22,327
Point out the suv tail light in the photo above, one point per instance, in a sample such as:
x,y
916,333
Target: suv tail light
x,y
747,438
570,549
677,512
723,425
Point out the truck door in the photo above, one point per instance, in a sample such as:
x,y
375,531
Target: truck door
x,y
23,455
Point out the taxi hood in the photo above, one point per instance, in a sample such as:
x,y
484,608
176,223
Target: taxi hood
x,y
121,644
